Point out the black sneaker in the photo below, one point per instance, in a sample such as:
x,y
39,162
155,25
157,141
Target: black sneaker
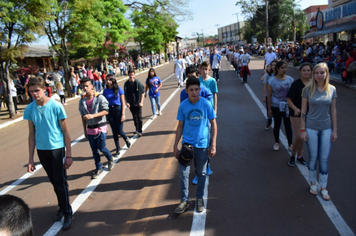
x,y
268,125
117,154
302,161
291,161
181,207
68,222
111,163
200,205
97,173
128,144
58,216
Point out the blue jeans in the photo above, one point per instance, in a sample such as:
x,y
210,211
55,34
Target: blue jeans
x,y
116,125
319,144
74,89
200,162
216,73
96,85
98,142
154,101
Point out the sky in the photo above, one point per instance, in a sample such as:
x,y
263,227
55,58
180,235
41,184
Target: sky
x,y
208,13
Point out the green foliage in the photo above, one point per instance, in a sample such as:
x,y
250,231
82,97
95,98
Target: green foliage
x,y
19,21
284,18
177,9
154,29
114,28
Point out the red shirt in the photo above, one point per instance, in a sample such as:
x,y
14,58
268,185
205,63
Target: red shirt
x,y
96,77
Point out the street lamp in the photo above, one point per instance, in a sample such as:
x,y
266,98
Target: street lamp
x,y
238,25
266,20
189,32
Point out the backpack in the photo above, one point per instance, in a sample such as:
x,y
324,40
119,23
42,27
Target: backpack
x,y
351,67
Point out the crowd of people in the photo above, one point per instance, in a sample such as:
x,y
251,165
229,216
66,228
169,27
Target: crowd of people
x,y
307,107
301,105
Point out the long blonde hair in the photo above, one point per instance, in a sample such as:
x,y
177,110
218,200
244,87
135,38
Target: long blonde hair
x,y
59,85
311,87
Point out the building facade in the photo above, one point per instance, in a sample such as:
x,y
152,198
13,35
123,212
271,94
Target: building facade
x,y
337,22
231,34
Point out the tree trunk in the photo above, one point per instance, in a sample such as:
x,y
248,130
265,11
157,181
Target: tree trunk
x,y
165,52
64,58
294,33
8,98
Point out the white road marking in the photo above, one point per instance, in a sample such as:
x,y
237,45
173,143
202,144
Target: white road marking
x,y
27,175
328,206
199,219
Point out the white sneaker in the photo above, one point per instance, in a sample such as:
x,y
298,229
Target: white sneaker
x,y
159,113
276,146
153,117
290,147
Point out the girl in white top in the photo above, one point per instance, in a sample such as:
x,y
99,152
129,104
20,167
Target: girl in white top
x,y
59,87
14,95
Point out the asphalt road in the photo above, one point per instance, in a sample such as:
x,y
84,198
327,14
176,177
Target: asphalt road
x,y
251,192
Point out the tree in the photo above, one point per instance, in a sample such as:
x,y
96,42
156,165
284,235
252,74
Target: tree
x,y
114,26
280,15
154,29
292,17
177,9
85,24
19,21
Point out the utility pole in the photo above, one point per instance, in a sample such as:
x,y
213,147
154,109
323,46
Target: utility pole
x,y
266,21
238,25
217,28
202,34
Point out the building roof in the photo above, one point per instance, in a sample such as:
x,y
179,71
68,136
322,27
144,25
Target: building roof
x,y
314,8
38,51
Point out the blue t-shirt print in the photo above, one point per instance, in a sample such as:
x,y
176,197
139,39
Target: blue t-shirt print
x,y
196,121
195,117
154,84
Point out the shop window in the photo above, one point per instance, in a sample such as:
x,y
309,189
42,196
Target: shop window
x,y
343,36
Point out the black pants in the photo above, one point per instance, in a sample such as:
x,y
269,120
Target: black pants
x,y
116,125
349,77
277,116
137,117
244,75
52,162
216,74
269,119
14,100
63,98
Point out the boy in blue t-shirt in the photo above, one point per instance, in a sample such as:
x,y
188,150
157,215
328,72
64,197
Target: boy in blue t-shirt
x,y
48,132
209,82
194,115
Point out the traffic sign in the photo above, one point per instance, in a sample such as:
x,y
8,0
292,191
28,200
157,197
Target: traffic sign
x,y
269,39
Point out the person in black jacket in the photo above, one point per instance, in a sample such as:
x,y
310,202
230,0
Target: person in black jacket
x,y
134,95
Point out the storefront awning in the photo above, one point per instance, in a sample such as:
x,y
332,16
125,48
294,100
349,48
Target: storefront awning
x,y
332,29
